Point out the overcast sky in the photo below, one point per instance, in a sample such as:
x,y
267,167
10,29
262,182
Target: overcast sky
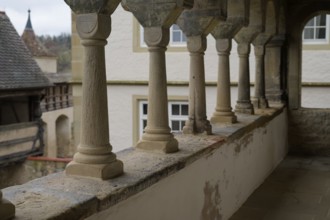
x,y
49,17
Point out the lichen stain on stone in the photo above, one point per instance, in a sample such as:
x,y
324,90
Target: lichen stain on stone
x,y
243,143
264,131
212,200
246,139
237,149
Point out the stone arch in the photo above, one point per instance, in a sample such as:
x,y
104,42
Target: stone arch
x,y
298,18
62,135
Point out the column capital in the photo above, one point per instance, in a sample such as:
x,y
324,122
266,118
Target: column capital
x,y
276,41
95,6
237,17
197,44
259,50
244,49
223,46
156,36
156,13
262,39
93,26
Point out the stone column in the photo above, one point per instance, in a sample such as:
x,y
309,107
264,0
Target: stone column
x,y
157,136
7,209
196,24
223,111
274,69
238,12
244,104
197,122
259,100
156,17
244,38
94,157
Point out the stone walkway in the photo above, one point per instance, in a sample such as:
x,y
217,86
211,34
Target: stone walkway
x,y
299,189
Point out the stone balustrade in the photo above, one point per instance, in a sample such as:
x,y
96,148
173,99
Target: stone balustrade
x,y
241,20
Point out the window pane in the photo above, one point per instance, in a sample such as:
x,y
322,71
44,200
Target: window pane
x,y
309,33
321,20
176,36
320,33
184,38
175,109
310,23
145,109
182,124
175,27
184,109
144,123
175,125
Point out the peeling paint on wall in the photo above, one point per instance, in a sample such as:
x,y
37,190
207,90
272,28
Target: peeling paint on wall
x,y
212,200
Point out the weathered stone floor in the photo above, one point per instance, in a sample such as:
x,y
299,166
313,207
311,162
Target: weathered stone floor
x,y
299,189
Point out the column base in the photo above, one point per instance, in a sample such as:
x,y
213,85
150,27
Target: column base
x,y
7,210
218,119
100,171
161,146
197,127
260,103
244,107
276,96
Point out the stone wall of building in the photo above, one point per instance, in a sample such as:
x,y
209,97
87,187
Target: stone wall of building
x,y
309,131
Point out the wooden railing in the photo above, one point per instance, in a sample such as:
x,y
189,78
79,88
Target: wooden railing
x,y
57,97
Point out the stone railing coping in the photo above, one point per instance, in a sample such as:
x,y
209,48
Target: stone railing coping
x,y
58,196
186,83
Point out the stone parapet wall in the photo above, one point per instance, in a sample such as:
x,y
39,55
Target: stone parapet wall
x,y
309,131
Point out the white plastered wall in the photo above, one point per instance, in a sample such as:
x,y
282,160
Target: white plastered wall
x,y
124,64
120,104
50,129
47,64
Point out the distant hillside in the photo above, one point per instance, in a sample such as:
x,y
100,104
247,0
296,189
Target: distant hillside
x,y
61,47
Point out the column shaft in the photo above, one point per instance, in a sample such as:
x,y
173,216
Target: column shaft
x,y
259,100
197,122
223,111
94,123
157,99
244,104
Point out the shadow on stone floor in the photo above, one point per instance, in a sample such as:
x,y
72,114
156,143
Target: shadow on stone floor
x,y
298,189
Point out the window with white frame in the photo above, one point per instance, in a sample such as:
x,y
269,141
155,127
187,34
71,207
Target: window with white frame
x,y
178,114
316,30
177,37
